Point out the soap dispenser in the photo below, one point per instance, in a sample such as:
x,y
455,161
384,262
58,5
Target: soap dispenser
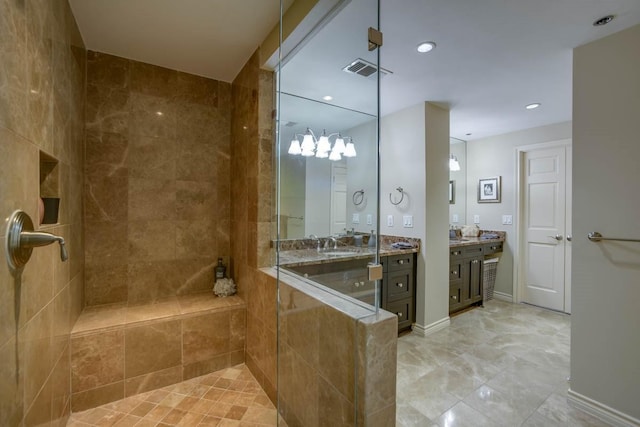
x,y
220,269
372,239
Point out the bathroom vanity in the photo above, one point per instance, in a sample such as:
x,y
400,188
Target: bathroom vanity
x,y
466,268
345,271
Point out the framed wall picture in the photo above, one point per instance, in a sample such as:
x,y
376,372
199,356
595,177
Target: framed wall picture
x,y
489,190
452,192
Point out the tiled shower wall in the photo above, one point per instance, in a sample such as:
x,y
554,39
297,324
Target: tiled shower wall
x,y
252,213
42,69
157,189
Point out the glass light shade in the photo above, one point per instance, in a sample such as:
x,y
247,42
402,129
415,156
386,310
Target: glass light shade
x,y
308,145
339,145
323,144
322,154
454,165
294,148
350,150
335,156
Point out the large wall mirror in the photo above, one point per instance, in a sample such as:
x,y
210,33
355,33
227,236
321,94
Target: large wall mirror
x,y
457,182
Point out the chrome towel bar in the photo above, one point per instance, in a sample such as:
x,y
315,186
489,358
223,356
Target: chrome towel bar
x,y
594,236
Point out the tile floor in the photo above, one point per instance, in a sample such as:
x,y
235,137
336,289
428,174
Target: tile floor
x,y
229,397
501,365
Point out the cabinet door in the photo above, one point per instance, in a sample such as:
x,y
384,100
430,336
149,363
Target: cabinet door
x,y
399,285
476,267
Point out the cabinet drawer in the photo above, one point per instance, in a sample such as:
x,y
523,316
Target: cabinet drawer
x,y
454,297
399,285
404,310
400,262
473,250
455,270
492,248
455,253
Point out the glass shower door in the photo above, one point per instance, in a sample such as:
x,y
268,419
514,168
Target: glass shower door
x,y
327,207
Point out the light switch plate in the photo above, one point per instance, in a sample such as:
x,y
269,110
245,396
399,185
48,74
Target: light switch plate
x,y
389,220
455,219
507,219
407,221
369,219
355,218
476,219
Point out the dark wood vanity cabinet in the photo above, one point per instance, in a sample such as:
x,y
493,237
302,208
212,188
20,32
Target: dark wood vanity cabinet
x,y
399,288
466,267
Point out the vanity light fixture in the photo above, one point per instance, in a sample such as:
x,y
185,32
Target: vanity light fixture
x,y
532,106
321,147
425,47
454,165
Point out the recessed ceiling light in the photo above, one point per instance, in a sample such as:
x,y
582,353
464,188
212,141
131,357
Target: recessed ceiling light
x,y
468,134
327,98
603,21
532,106
426,47
159,113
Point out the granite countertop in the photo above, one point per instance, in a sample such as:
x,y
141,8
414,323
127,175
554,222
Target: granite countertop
x,y
470,241
297,257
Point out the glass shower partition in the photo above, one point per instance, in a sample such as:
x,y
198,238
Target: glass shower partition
x,y
327,254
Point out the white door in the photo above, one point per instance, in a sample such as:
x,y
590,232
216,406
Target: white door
x,y
338,197
545,209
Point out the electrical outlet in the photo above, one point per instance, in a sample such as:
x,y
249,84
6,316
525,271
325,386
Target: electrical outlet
x,y
455,219
369,219
507,219
355,219
389,220
407,221
476,219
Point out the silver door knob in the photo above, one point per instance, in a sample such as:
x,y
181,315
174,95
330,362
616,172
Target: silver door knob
x,y
558,237
568,237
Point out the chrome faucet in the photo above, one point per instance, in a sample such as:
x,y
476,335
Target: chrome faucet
x,y
332,239
314,237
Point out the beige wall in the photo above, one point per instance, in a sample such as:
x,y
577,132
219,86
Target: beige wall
x,y
496,156
605,348
42,68
421,169
157,192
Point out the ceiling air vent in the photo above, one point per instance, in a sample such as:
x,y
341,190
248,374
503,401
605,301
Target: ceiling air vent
x,y
364,68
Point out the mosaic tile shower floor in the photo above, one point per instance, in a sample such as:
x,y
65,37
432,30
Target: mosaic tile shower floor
x,y
229,397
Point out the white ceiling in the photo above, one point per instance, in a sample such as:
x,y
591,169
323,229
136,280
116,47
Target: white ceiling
x,y
492,58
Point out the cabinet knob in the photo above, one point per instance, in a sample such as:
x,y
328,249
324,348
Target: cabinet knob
x,y
399,285
475,261
454,297
455,253
401,261
455,273
399,314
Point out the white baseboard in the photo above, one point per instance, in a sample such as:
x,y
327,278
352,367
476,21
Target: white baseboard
x,y
601,411
502,296
423,331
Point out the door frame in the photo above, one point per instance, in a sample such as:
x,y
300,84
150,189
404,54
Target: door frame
x,y
518,270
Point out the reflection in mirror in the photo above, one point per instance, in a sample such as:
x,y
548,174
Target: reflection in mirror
x,y
319,193
458,201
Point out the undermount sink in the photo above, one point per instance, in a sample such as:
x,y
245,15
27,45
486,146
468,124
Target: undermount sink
x,y
339,252
458,240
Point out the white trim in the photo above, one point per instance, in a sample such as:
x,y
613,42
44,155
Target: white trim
x,y
502,296
423,331
601,411
519,221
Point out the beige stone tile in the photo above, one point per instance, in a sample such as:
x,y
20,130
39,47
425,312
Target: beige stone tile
x,y
197,90
152,381
107,109
195,200
37,363
260,416
158,413
8,319
40,411
141,344
11,383
36,282
107,70
105,284
195,239
205,337
219,409
143,408
209,421
19,178
127,421
152,116
106,243
151,199
174,417
187,403
336,361
100,317
204,301
61,388
214,394
202,367
152,158
106,197
333,408
158,309
97,360
154,280
148,241
153,80
97,396
190,420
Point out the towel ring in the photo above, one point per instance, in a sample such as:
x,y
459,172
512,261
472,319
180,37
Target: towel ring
x,y
358,197
399,189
